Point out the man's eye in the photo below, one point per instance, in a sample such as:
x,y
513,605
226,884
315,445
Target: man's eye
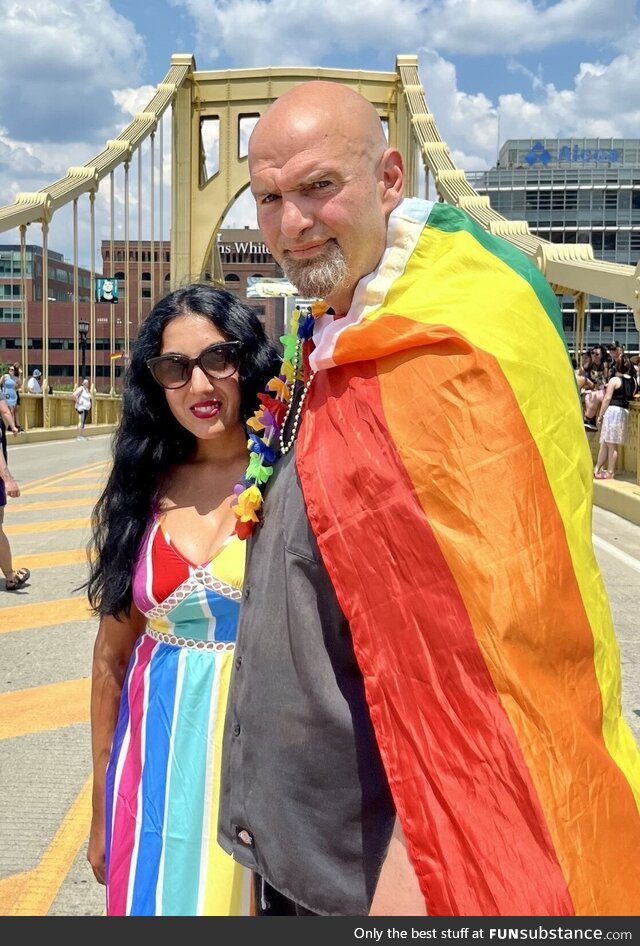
x,y
269,198
319,185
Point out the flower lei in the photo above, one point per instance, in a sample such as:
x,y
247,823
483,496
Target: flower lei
x,y
268,419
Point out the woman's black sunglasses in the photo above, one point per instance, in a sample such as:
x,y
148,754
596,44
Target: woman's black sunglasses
x,y
217,361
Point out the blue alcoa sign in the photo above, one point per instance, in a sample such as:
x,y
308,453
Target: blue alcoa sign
x,y
587,154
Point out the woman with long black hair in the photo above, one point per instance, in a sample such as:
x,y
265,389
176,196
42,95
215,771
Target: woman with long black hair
x,y
166,578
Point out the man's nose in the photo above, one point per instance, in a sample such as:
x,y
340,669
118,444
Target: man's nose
x,y
295,218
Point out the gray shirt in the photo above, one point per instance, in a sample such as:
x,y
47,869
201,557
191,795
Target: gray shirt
x,y
304,799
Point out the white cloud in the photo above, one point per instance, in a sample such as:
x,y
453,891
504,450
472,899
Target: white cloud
x,y
286,32
491,27
70,74
59,65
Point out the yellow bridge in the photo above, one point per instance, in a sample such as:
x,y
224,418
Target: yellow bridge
x,y
208,115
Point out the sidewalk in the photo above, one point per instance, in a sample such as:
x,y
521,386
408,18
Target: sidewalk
x,y
44,434
620,495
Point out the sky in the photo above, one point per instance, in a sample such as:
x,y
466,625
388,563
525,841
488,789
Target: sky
x,y
73,73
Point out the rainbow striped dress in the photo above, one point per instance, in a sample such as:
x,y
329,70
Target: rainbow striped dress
x,y
162,856
448,481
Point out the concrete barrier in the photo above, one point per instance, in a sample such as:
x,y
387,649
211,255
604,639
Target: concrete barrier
x,y
55,412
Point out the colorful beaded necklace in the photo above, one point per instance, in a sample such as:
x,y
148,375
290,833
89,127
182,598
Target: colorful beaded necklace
x,y
266,439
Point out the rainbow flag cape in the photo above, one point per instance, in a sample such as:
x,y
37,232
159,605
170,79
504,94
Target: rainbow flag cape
x,y
448,480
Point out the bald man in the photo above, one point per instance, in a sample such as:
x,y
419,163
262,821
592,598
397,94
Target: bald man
x,y
419,720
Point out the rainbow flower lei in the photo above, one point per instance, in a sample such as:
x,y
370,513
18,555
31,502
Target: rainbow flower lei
x,y
268,419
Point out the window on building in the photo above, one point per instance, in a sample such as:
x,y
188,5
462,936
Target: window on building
x,y
624,200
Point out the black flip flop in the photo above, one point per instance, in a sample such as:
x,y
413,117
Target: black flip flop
x,y
22,576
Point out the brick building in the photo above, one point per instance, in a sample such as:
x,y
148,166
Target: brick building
x,y
139,279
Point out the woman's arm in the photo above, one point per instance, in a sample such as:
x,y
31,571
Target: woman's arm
x,y
10,484
608,394
397,891
7,416
112,650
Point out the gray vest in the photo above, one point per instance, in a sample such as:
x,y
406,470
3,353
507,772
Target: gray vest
x,y
304,799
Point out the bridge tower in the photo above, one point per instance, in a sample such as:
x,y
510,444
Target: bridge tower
x,y
230,98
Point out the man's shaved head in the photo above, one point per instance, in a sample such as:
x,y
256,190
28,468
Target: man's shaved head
x,y
324,108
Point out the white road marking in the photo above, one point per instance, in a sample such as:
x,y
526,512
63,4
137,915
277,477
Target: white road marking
x,y
610,549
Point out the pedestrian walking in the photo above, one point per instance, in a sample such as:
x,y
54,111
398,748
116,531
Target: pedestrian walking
x,y
83,401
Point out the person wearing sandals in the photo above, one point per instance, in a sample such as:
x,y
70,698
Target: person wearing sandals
x,y
614,418
14,578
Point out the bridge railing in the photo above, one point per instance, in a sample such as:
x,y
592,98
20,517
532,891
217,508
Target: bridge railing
x,y
60,407
571,269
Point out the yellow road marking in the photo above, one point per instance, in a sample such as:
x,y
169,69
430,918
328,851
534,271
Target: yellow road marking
x,y
11,890
69,475
54,504
50,560
95,486
54,525
40,709
22,617
38,889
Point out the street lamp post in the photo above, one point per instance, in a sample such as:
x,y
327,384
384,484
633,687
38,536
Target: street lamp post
x,y
83,331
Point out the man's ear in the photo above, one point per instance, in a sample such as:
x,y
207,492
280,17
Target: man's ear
x,y
392,178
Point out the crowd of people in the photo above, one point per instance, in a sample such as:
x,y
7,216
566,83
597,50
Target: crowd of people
x,y
11,384
365,695
608,381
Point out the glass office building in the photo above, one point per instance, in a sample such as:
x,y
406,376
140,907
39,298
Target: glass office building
x,y
575,190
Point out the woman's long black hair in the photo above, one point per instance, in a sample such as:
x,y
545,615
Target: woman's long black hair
x,y
149,440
